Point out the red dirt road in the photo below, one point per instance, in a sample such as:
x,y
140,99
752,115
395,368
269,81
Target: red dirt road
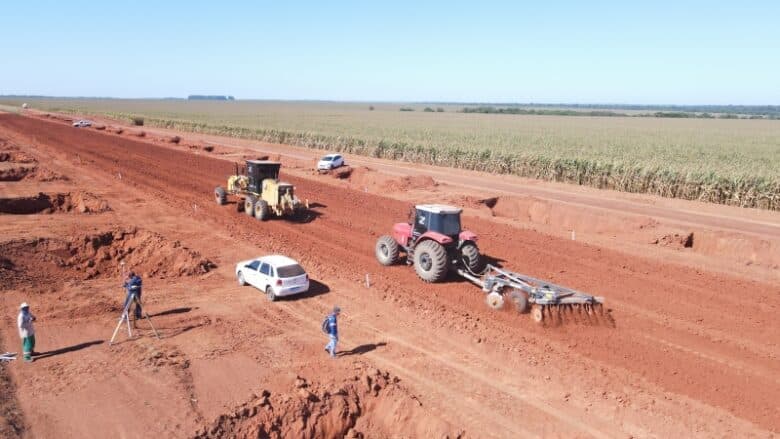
x,y
691,352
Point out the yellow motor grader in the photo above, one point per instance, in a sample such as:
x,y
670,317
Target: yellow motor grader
x,y
259,191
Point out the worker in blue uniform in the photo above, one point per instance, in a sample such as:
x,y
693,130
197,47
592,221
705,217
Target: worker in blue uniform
x,y
133,285
330,327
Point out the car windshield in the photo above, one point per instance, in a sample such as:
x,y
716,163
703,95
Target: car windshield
x,y
290,271
327,158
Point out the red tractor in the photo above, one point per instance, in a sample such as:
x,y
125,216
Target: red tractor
x,y
433,242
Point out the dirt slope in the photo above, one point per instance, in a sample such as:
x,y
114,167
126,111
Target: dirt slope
x,y
683,341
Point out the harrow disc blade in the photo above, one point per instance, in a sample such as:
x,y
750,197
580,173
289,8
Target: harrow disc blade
x,y
495,300
520,299
537,313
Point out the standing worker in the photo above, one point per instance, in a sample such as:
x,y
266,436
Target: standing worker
x,y
133,287
26,331
330,327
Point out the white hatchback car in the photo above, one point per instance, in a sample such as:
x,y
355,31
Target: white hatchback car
x,y
330,161
82,124
276,275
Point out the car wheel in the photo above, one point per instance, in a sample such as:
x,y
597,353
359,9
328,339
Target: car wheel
x,y
269,293
241,280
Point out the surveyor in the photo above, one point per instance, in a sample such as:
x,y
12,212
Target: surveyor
x,y
330,327
133,286
26,331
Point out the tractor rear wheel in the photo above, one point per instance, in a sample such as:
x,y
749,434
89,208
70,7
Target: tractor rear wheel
x,y
430,261
471,258
249,205
261,210
220,196
386,250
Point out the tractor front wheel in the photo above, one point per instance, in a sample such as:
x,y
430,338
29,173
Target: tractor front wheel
x,y
249,206
220,196
261,210
430,261
386,250
472,260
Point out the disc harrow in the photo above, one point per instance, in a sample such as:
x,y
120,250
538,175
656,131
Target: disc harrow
x,y
544,300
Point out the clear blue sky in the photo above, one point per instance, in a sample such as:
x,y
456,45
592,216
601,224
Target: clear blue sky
x,y
656,52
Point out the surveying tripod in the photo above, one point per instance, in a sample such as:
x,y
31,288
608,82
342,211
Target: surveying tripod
x,y
126,318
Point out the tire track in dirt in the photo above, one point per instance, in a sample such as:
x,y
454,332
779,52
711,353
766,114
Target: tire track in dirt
x,y
183,179
452,388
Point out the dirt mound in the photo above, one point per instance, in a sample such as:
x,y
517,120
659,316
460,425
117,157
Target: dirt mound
x,y
97,254
413,182
34,173
371,404
116,130
675,240
81,202
367,178
342,172
16,174
16,157
11,417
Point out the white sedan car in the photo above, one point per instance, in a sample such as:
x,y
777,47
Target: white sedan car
x,y
82,124
276,275
330,161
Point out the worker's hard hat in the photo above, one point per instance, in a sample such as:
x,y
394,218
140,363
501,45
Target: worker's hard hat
x,y
24,305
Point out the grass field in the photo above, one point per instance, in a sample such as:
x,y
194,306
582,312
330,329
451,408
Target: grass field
x,y
734,162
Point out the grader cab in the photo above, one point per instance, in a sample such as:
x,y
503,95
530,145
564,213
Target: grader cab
x,y
259,192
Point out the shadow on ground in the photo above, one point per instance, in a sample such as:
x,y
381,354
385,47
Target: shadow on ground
x,y
316,288
362,349
66,350
181,310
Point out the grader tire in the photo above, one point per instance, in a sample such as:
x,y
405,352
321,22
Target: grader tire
x,y
249,206
386,250
262,212
220,196
471,257
430,261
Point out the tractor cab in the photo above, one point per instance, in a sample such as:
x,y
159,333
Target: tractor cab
x,y
436,218
259,170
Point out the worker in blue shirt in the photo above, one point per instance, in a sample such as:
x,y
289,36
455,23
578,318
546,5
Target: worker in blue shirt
x,y
330,327
133,286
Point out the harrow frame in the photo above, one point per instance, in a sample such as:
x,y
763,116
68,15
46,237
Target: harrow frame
x,y
529,293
